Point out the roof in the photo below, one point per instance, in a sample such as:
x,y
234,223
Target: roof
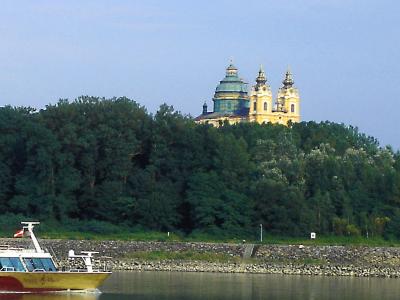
x,y
244,112
231,82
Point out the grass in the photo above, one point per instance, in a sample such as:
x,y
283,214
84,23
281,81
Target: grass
x,y
334,240
140,235
186,255
211,257
123,236
311,261
163,237
300,261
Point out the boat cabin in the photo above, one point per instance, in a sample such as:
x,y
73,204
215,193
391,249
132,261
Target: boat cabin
x,y
12,260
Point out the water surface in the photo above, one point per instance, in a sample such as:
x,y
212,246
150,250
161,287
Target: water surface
x,y
174,285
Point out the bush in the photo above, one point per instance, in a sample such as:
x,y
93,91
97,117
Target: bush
x,y
352,230
92,226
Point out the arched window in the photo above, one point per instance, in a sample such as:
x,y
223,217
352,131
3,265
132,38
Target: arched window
x,y
255,106
265,105
292,108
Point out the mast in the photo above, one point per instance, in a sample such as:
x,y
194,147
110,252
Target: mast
x,y
29,226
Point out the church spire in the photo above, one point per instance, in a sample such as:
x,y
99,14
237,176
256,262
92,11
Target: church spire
x,y
231,70
288,81
205,109
261,78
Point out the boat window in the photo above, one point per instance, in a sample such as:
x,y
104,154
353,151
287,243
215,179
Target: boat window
x,y
11,262
5,262
40,264
17,264
37,263
48,264
29,264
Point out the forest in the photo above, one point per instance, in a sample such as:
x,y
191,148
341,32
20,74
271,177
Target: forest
x,y
108,164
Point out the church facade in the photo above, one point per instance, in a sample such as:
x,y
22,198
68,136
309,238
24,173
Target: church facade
x,y
233,102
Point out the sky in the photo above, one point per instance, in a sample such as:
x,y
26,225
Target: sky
x,y
344,54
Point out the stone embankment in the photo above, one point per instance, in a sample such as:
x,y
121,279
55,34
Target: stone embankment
x,y
267,259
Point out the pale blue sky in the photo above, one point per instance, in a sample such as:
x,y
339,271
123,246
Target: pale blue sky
x,y
344,53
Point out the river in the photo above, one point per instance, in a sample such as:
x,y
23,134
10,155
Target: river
x,y
175,285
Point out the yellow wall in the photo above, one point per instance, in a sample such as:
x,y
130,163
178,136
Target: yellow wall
x,y
291,97
217,121
259,98
263,95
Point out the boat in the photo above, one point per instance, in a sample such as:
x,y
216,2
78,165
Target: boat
x,y
35,270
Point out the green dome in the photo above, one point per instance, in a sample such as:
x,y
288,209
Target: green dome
x,y
231,82
231,87
231,93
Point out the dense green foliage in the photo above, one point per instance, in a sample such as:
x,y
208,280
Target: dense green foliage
x,y
108,164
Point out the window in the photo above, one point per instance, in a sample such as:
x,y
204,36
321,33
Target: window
x,y
265,106
48,264
39,264
11,262
255,106
292,108
29,264
5,262
17,264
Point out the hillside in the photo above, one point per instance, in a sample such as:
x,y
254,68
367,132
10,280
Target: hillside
x,y
104,165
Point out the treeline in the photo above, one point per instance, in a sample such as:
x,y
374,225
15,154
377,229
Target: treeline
x,y
110,163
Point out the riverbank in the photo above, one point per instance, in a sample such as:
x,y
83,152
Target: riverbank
x,y
228,258
255,268
286,259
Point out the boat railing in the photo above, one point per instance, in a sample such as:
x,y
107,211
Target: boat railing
x,y
105,266
10,248
55,258
83,271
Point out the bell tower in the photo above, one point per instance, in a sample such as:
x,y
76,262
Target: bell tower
x,y
260,99
288,100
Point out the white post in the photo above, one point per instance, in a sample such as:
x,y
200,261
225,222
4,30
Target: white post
x,y
261,233
29,226
88,262
86,256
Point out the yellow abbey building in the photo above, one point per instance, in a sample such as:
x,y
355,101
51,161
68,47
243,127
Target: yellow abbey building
x,y
233,103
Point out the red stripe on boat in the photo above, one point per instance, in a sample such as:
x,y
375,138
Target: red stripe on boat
x,y
11,284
